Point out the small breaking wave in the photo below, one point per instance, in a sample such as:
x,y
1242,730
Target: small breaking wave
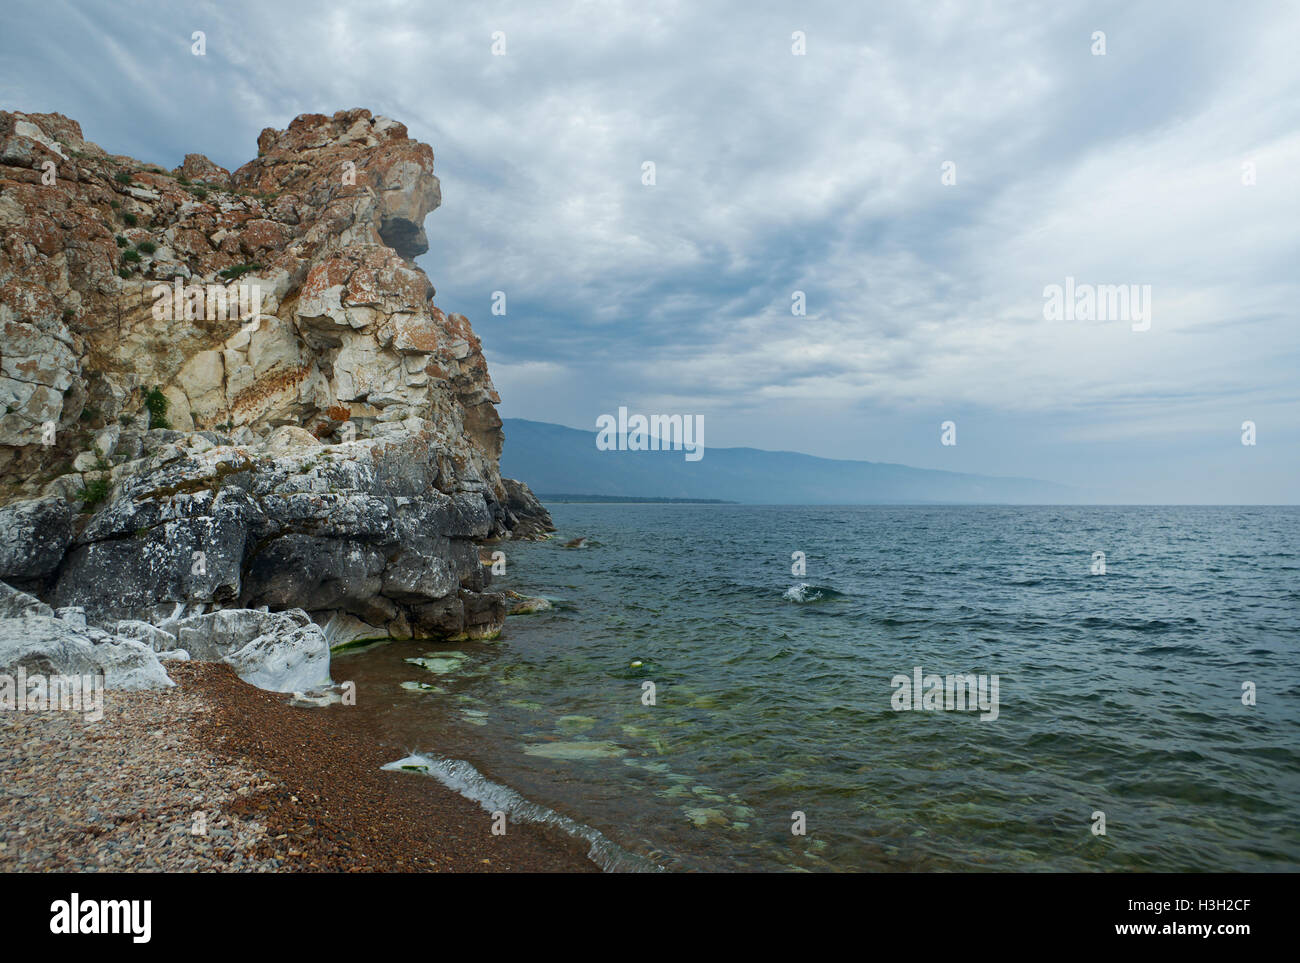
x,y
458,775
803,593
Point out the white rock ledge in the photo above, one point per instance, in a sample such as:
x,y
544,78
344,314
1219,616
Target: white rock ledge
x,y
277,651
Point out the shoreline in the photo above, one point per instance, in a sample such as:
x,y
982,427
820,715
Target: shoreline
x,y
280,788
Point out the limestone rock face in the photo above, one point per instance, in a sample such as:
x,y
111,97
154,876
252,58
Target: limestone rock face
x,y
199,169
15,604
233,389
279,651
49,646
34,533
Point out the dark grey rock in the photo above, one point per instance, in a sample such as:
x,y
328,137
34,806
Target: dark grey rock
x,y
15,604
34,534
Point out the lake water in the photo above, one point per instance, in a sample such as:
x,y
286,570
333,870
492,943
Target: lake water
x,y
773,692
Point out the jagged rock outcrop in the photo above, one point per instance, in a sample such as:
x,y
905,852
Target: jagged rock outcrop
x,y
34,534
532,518
234,389
280,651
42,642
53,647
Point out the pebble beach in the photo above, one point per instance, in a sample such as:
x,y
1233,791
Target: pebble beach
x,y
214,775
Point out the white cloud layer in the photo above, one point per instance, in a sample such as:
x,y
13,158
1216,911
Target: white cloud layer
x,y
818,173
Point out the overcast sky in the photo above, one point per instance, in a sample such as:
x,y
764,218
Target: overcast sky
x,y
820,173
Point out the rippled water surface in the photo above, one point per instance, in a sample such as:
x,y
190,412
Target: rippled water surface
x,y
1119,693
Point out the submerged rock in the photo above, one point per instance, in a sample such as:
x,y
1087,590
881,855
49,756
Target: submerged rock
x,y
575,751
517,604
440,663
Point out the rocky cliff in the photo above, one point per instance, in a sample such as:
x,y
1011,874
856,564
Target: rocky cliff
x,y
233,390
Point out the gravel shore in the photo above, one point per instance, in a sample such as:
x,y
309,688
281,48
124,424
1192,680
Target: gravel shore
x,y
216,775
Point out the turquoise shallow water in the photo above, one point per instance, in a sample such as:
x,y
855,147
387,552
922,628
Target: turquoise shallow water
x,y
1118,693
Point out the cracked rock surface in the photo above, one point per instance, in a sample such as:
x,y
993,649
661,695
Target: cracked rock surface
x,y
233,390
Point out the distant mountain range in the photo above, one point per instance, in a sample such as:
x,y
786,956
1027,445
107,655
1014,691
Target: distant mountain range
x,y
553,459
